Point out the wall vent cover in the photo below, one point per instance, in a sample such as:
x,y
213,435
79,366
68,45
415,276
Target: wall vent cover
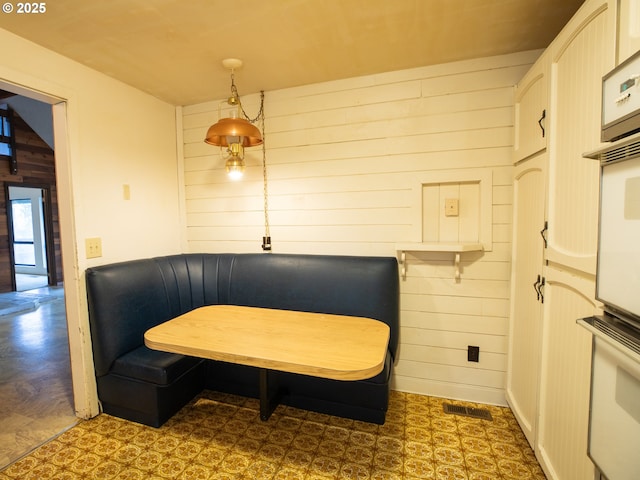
x,y
481,413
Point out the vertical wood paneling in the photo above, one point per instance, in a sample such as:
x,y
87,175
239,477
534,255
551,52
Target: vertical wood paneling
x,y
578,67
449,225
469,223
437,226
566,373
526,309
431,210
343,159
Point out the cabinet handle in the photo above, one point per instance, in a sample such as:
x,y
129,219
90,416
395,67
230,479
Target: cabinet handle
x,y
544,115
536,285
543,233
540,290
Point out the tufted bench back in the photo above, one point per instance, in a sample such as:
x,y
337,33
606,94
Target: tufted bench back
x,y
125,299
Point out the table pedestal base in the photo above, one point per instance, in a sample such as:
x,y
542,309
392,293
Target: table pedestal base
x,y
269,395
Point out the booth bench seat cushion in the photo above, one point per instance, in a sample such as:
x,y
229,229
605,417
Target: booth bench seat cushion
x,y
126,299
153,366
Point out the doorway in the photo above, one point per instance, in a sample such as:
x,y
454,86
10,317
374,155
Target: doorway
x,y
30,222
65,128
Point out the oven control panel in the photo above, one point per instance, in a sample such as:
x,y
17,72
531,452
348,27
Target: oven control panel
x,y
621,100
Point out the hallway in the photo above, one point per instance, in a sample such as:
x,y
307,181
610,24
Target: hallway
x,y
36,397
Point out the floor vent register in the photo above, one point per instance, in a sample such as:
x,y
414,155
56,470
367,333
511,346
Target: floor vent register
x,y
481,413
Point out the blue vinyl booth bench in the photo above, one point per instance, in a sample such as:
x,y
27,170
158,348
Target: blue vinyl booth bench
x,y
149,386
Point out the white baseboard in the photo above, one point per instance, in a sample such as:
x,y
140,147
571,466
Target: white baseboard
x,y
470,393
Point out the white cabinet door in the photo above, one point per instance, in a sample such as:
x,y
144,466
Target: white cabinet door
x,y
629,29
525,322
581,54
563,424
531,110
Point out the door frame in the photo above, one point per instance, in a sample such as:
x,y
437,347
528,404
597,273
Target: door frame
x,y
64,103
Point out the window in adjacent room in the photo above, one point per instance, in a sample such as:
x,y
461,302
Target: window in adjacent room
x,y
7,142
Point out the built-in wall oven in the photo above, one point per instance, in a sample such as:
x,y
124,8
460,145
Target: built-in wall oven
x,y
614,419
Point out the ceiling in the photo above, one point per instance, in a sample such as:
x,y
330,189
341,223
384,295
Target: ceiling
x,y
173,49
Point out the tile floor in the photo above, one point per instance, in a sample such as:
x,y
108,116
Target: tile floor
x,y
220,436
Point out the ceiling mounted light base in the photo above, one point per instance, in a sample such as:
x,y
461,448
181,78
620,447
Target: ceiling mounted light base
x,y
232,63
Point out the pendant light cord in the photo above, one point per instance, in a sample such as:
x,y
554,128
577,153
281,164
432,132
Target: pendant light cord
x,y
266,240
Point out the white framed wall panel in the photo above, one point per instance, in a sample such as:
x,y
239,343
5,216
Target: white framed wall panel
x,y
473,188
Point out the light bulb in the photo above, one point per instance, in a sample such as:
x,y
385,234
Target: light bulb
x,y
235,175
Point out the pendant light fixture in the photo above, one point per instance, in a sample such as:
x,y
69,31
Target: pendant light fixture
x,y
233,133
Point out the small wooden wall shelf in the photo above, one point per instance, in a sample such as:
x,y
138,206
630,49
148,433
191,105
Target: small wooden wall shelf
x,y
455,248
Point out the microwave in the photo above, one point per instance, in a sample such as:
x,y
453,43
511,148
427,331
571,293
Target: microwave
x,y
621,100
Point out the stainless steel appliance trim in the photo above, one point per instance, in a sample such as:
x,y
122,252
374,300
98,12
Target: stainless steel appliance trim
x,y
619,335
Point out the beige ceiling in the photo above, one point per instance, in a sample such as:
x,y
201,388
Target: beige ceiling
x,y
173,49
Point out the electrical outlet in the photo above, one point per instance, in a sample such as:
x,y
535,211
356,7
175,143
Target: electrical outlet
x,y
473,354
93,247
451,207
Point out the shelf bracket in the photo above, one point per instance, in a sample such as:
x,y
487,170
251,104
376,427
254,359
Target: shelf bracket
x,y
403,265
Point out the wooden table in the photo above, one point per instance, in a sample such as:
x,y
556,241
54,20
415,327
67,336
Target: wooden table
x,y
329,346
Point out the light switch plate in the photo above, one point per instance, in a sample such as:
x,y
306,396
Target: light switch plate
x,y
93,247
451,207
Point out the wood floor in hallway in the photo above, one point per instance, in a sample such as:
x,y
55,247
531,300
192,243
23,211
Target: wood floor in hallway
x,y
36,397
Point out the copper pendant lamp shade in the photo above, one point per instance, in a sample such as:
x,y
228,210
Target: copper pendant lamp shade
x,y
233,130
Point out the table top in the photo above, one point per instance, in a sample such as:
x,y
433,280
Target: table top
x,y
330,346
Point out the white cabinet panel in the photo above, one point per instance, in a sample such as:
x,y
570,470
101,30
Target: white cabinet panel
x,y
628,29
565,375
549,354
531,110
580,55
525,323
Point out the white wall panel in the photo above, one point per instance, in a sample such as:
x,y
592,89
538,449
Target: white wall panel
x,y
343,161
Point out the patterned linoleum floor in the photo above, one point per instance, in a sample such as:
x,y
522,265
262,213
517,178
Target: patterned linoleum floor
x,y
220,436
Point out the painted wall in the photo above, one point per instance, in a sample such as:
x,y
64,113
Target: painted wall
x,y
348,162
109,135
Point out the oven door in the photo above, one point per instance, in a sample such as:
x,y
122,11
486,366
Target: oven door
x,y
614,424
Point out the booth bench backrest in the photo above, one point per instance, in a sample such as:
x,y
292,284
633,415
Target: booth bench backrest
x,y
126,299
